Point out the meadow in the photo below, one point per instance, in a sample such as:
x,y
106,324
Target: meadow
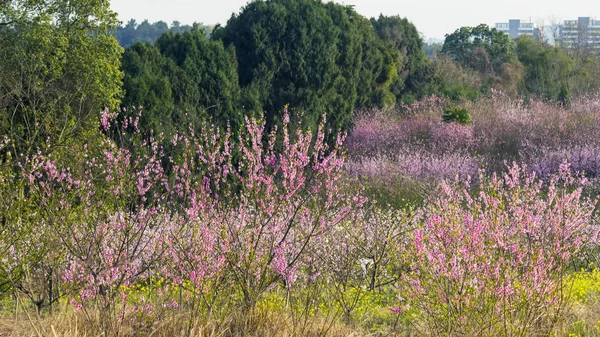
x,y
430,219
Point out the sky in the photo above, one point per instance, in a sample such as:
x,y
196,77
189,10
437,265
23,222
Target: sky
x,y
433,18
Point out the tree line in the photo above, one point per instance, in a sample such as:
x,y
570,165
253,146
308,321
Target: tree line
x,y
527,66
62,63
148,32
312,56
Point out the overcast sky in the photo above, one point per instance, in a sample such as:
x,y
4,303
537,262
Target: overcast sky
x,y
433,18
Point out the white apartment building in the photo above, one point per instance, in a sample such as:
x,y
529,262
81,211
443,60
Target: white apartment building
x,y
581,33
515,28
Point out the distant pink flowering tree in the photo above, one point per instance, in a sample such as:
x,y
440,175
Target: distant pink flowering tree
x,y
493,261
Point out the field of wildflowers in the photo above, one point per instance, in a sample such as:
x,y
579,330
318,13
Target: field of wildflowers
x,y
411,225
415,144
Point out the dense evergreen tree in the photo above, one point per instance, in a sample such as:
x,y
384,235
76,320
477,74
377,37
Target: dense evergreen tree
x,y
415,71
182,77
147,85
313,56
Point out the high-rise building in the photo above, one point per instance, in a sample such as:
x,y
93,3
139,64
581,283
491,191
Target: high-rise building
x,y
515,28
583,33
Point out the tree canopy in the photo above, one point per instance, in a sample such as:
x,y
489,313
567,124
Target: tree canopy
x,y
59,69
548,68
182,77
480,48
414,73
313,56
490,52
150,32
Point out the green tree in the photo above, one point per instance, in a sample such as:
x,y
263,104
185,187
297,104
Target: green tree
x,y
313,56
183,77
126,35
480,47
415,70
547,69
148,87
487,51
59,69
453,81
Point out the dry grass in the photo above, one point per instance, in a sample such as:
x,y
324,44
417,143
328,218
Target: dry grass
x,y
68,323
583,320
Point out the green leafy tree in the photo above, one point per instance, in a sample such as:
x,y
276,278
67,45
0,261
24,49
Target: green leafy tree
x,y
480,48
59,69
415,70
547,69
586,75
489,52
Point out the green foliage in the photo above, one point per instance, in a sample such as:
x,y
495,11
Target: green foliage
x,y
147,85
183,77
547,69
453,81
313,56
414,72
487,51
564,95
586,75
458,115
525,66
480,48
59,69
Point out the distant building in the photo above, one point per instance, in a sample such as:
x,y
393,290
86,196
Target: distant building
x,y
516,28
583,33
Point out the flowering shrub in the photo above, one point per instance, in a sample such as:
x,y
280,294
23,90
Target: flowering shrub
x,y
415,164
379,132
495,262
357,263
241,214
286,201
582,158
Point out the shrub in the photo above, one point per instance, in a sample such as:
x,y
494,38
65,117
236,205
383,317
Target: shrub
x,y
494,261
458,115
